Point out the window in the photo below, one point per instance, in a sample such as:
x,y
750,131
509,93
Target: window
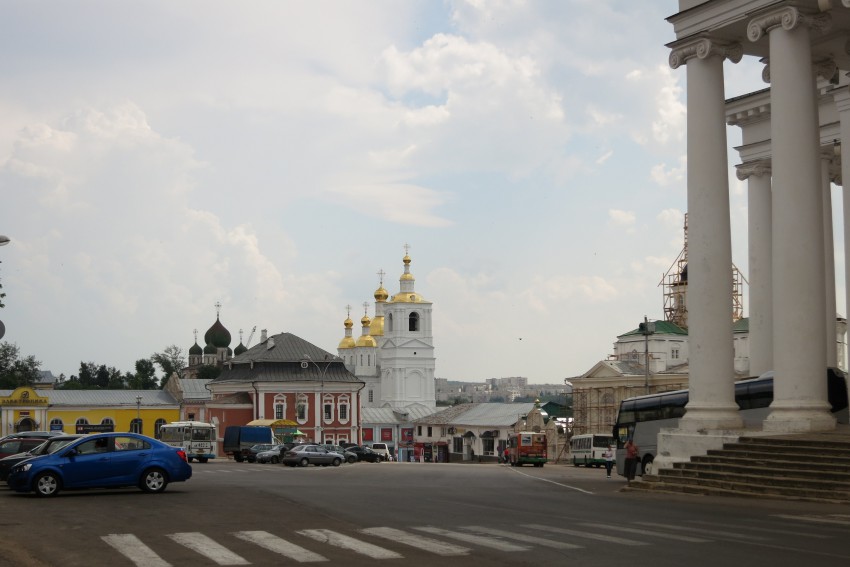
x,y
280,407
328,412
371,396
413,322
130,444
419,430
390,322
429,431
488,444
361,360
368,360
301,408
156,427
136,425
457,445
191,417
56,424
344,403
674,353
82,421
107,421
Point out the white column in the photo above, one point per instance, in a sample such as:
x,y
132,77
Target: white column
x,y
799,391
842,103
826,157
711,355
760,233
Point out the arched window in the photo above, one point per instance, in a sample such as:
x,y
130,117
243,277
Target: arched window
x,y
157,424
136,425
82,421
56,424
344,407
301,408
413,322
368,360
328,408
371,396
108,421
280,407
390,322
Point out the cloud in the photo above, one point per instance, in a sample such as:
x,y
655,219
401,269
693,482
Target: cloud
x,y
665,176
621,218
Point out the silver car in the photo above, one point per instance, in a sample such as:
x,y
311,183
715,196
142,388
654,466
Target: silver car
x,y
303,455
348,455
272,455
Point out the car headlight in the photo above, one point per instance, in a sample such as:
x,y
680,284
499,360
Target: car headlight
x,y
22,468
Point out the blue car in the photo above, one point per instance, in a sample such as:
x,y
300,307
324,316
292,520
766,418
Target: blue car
x,y
103,460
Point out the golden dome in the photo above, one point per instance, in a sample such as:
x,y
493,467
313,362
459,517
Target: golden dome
x,y
407,277
346,342
381,294
377,327
366,341
407,297
349,323
406,260
365,321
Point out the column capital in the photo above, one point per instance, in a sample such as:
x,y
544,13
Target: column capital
x,y
702,48
788,18
758,168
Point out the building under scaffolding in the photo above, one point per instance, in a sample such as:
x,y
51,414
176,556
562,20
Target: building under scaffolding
x,y
675,288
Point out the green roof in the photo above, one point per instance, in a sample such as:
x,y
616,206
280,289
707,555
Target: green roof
x,y
661,328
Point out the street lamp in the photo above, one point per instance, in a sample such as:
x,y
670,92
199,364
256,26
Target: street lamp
x,y
646,328
138,427
322,372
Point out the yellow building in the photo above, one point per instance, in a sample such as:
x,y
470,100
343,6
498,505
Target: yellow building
x,y
85,411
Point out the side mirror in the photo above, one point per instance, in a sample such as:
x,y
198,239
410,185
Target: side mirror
x,y
71,453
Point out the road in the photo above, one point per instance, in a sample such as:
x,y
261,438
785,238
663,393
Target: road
x,y
416,514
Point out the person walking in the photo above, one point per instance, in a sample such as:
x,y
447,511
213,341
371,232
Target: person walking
x,y
608,455
632,453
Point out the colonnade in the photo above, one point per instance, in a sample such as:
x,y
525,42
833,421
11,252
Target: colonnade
x,y
792,273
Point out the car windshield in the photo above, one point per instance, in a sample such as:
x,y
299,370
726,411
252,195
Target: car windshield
x,y
53,446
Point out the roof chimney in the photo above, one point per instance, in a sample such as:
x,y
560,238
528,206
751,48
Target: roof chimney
x,y
263,335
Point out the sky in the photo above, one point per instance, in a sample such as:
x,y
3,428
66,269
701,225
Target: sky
x,y
159,157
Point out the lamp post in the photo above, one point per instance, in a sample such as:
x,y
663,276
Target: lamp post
x,y
322,372
138,427
646,328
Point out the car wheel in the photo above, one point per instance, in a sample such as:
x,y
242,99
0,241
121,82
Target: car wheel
x,y
275,460
336,462
351,460
47,484
188,459
237,458
304,462
153,480
202,459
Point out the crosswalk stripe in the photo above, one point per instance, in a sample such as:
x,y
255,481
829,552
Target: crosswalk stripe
x,y
522,537
419,542
703,531
490,542
133,549
770,530
639,531
280,546
588,535
209,548
347,542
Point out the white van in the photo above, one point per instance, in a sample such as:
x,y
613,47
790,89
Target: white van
x,y
383,450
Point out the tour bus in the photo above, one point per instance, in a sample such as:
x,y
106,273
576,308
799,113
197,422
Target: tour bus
x,y
641,418
196,438
587,449
527,447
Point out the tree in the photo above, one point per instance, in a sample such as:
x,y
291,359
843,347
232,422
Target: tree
x,y
208,372
170,360
145,376
14,370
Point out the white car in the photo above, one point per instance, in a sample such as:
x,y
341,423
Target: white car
x,y
383,450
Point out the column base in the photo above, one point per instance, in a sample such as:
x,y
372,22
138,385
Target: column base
x,y
678,446
799,418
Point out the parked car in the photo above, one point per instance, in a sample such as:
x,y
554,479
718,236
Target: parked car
x,y
383,450
349,456
303,455
39,434
47,446
365,454
273,454
131,460
251,456
15,445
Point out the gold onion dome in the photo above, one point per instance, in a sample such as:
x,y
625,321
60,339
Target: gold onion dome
x,y
376,329
407,297
366,341
347,341
381,294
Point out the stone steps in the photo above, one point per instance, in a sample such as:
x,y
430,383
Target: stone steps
x,y
788,467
